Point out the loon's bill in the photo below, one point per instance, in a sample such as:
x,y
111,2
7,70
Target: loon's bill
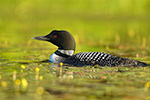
x,y
66,47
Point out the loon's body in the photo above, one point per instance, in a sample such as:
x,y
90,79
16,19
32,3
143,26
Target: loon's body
x,y
66,48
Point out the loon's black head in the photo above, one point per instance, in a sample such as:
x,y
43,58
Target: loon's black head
x,y
63,39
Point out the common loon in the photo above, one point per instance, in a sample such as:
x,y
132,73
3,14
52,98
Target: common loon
x,y
66,47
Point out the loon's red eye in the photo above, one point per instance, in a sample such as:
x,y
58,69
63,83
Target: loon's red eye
x,y
55,36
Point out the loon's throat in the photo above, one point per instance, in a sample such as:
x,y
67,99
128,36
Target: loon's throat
x,y
60,55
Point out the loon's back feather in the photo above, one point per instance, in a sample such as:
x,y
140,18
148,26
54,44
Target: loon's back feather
x,y
101,59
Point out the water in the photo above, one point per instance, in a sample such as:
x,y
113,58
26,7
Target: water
x,y
117,28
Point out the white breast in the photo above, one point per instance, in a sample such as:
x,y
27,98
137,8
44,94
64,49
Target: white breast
x,y
56,59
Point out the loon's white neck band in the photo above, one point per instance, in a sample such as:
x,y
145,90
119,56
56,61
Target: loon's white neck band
x,y
67,52
58,58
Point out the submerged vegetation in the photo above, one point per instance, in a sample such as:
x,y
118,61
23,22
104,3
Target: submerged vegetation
x,y
49,82
119,27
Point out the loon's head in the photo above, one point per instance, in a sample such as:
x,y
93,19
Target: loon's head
x,y
65,43
63,39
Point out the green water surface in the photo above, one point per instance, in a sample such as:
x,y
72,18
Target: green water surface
x,y
118,27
